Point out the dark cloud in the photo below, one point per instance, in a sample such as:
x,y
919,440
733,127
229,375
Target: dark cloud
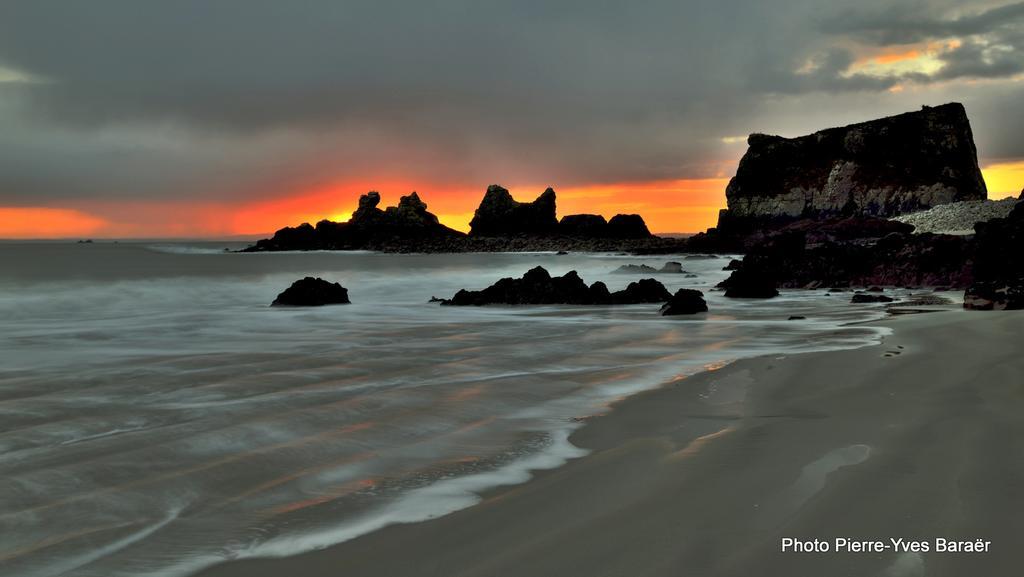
x,y
234,98
911,22
985,43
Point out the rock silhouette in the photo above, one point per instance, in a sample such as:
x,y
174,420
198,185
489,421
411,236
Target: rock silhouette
x,y
685,302
312,292
538,287
501,215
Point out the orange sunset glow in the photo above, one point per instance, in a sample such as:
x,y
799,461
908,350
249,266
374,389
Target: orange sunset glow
x,y
41,222
667,206
1004,178
686,205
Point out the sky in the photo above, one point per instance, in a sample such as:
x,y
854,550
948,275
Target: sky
x,y
193,118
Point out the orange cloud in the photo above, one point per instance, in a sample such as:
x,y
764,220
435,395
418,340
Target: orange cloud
x,y
42,222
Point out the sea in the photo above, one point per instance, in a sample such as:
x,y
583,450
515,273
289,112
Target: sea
x,y
157,416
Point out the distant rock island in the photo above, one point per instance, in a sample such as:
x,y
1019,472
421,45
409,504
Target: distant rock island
x,y
499,215
500,223
369,228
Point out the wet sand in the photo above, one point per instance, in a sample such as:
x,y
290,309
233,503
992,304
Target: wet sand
x,y
919,438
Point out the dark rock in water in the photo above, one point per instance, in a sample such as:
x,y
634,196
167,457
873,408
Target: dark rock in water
x,y
925,300
749,284
700,257
998,282
312,292
538,287
883,167
583,225
561,253
645,290
875,289
987,296
685,302
733,265
670,267
796,318
635,269
627,226
501,215
866,298
369,228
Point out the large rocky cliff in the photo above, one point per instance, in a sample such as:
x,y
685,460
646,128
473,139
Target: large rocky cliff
x,y
884,167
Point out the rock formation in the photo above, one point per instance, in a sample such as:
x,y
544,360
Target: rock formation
x,y
583,225
685,302
538,287
312,292
501,215
369,228
645,290
750,283
670,267
883,167
998,274
627,226
867,298
794,260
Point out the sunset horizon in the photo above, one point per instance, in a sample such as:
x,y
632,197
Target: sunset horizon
x,y
699,203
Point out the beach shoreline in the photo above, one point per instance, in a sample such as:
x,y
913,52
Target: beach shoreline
x,y
709,474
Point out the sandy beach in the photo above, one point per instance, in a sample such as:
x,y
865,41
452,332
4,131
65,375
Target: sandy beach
x,y
917,438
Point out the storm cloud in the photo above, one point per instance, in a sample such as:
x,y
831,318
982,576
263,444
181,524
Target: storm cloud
x,y
232,99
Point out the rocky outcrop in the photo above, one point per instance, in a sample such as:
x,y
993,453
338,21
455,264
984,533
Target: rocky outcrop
x,y
501,215
750,283
884,167
899,259
670,267
645,290
583,225
312,292
861,298
685,302
370,228
627,226
538,287
621,226
988,296
998,279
